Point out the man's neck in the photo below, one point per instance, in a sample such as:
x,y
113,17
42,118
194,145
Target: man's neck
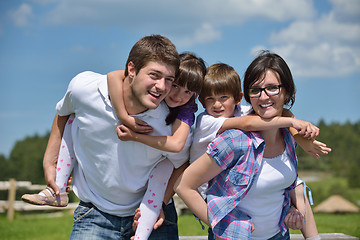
x,y
132,104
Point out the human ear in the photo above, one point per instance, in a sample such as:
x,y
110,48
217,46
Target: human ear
x,y
131,70
239,99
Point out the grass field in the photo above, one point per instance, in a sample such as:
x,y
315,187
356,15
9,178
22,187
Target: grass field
x,y
58,226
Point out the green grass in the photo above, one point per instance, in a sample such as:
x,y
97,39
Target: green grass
x,y
44,226
36,227
189,226
348,224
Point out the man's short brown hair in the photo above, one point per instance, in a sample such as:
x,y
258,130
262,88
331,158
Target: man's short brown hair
x,y
153,48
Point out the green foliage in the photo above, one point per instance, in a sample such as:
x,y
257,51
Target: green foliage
x,y
4,171
25,161
328,186
344,160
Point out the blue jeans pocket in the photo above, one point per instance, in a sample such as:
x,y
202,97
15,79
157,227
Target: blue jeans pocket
x,y
81,211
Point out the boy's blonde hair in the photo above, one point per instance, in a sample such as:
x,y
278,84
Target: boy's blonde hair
x,y
221,78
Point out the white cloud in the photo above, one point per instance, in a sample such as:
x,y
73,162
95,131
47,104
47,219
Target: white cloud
x,y
21,16
206,33
325,47
191,22
347,10
44,2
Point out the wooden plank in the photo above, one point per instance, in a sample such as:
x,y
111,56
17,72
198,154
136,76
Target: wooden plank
x,y
12,194
22,206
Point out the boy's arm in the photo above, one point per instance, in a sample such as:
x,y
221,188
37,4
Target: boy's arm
x,y
302,131
256,123
174,143
115,81
309,228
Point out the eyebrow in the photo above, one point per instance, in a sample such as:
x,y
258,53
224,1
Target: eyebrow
x,y
161,73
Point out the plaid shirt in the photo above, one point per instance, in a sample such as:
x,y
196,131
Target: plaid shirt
x,y
240,155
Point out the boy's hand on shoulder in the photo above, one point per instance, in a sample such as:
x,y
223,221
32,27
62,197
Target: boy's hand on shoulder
x,y
306,129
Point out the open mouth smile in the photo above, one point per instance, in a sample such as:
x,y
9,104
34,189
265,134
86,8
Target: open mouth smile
x,y
266,105
154,94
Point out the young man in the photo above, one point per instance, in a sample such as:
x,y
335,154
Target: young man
x,y
110,177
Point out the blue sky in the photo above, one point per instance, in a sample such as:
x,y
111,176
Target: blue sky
x,y
44,43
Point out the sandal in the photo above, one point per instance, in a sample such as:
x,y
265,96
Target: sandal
x,y
50,198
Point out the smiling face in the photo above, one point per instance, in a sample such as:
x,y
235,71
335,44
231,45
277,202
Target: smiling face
x,y
178,96
265,106
220,105
150,85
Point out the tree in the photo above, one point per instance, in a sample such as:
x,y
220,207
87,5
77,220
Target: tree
x,y
25,161
4,171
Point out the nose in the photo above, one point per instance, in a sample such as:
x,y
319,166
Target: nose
x,y
161,85
176,94
217,104
263,95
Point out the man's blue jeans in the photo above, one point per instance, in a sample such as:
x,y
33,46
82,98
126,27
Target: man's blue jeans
x,y
93,224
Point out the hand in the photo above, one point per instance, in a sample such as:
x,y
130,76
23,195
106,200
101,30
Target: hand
x,y
68,183
125,134
50,181
49,166
136,218
160,220
294,219
158,223
138,125
306,129
316,148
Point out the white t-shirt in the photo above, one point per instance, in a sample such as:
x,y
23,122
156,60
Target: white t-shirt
x,y
264,200
111,174
206,130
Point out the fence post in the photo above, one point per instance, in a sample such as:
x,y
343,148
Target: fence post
x,y
12,194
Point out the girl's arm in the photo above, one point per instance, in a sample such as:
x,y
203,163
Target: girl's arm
x,y
199,172
115,82
174,143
